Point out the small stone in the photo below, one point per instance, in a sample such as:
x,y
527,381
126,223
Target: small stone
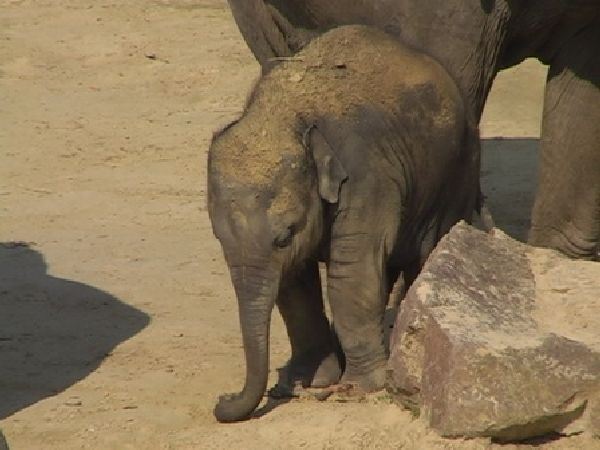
x,y
73,401
296,77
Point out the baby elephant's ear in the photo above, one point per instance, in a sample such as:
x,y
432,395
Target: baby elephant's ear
x,y
330,172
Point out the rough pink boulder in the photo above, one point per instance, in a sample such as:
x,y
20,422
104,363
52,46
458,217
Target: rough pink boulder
x,y
496,338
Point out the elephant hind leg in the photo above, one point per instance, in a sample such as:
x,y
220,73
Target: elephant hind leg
x,y
566,213
314,361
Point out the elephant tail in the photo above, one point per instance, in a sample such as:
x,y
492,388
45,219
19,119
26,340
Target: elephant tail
x,y
260,31
485,217
269,34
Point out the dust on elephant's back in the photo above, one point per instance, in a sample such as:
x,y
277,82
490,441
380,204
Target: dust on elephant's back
x,y
314,74
333,77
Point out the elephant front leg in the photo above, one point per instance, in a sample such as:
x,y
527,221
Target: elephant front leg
x,y
358,293
314,361
566,214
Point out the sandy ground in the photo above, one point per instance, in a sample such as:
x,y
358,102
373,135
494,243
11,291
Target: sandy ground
x,y
118,324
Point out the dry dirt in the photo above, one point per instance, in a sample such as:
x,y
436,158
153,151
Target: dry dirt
x,y
118,324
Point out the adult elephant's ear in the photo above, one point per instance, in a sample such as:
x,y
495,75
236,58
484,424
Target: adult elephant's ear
x,y
330,172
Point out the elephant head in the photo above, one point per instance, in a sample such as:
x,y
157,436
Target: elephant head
x,y
266,190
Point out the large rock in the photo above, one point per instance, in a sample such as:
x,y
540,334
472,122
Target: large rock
x,y
496,338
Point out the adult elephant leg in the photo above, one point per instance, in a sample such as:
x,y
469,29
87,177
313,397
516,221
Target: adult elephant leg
x,y
566,214
314,361
358,293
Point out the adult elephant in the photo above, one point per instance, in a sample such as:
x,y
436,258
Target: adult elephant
x,y
474,39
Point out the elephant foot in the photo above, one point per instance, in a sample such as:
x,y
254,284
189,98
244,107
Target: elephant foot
x,y
342,392
304,373
353,386
371,381
570,242
328,372
336,392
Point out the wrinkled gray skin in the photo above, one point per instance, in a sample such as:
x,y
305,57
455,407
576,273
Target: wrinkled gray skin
x,y
376,192
474,39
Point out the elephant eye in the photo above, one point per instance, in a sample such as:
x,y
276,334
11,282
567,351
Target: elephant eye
x,y
285,238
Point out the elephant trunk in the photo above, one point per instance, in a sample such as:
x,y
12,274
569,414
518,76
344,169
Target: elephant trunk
x,y
256,297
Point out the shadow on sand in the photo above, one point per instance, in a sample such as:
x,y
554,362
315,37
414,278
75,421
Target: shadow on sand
x,y
508,179
53,332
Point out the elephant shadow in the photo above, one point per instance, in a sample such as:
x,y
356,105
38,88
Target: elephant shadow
x,y
509,168
53,332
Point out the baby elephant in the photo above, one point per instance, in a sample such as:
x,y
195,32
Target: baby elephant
x,y
358,152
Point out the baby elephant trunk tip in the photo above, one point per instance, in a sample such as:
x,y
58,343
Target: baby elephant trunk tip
x,y
237,407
